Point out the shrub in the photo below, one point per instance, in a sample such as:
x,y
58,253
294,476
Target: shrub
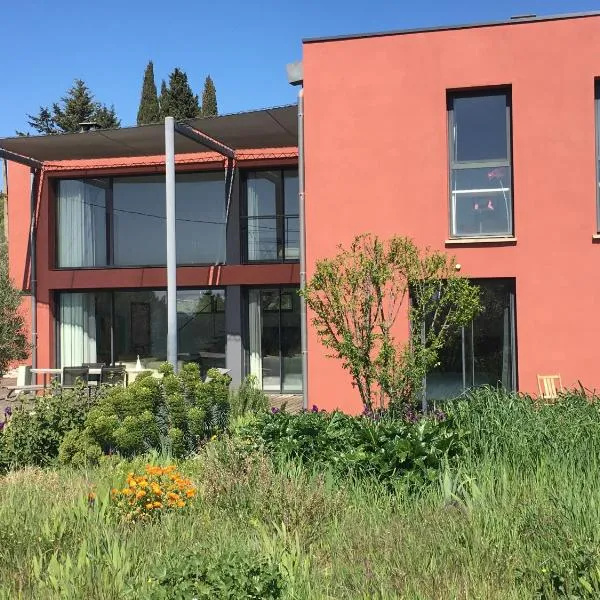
x,y
384,447
248,398
33,435
175,414
148,496
234,575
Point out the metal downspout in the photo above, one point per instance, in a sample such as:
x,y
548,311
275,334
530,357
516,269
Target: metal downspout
x,y
301,215
171,242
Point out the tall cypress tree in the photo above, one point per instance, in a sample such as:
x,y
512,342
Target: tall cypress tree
x,y
163,100
77,106
209,99
180,101
149,110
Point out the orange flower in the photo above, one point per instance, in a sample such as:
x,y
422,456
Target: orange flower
x,y
140,494
158,505
149,506
190,493
181,504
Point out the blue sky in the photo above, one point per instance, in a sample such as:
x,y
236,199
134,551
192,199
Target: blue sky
x,y
243,44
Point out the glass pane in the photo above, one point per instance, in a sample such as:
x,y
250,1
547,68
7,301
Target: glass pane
x,y
481,201
262,194
291,348
139,221
201,328
492,328
480,131
84,328
446,380
81,207
270,342
290,192
200,213
262,239
292,238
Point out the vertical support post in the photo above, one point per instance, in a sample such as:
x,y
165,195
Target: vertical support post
x,y
32,268
171,242
301,215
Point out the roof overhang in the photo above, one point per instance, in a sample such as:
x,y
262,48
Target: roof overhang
x,y
267,128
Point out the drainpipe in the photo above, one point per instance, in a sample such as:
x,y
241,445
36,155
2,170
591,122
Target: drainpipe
x,y
32,268
303,315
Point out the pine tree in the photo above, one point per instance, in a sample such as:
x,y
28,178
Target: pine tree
x,y
179,99
13,337
77,106
149,110
209,99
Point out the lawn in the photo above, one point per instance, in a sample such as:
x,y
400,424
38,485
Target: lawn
x,y
514,514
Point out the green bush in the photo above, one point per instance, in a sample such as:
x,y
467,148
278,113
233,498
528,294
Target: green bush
x,y
175,413
235,575
34,432
248,398
385,447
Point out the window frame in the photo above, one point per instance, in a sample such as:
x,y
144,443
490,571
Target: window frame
x,y
280,216
454,164
109,222
597,145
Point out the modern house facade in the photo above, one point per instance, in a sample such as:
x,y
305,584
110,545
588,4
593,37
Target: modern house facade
x,y
481,141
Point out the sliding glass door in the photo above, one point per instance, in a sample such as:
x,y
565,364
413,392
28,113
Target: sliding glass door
x,y
274,339
483,352
119,326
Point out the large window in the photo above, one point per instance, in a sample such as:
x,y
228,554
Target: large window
x,y
480,164
274,338
121,221
270,220
119,326
483,352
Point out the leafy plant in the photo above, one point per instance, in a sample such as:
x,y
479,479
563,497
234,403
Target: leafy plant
x,y
356,298
248,398
233,575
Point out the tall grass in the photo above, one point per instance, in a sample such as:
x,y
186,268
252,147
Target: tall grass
x,y
523,504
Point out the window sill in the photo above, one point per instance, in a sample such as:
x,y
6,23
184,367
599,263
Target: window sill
x,y
476,241
596,237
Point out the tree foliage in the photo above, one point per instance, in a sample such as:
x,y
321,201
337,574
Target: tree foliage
x,y
209,98
149,110
77,106
13,337
356,298
177,99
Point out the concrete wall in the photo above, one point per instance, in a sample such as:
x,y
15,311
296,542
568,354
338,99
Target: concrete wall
x,y
377,160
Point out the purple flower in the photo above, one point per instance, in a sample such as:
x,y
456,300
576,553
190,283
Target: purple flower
x,y
275,410
314,408
1,426
8,411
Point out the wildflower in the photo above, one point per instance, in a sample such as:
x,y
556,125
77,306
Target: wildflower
x,y
114,492
127,491
158,505
190,493
149,506
8,411
140,494
315,408
181,504
275,410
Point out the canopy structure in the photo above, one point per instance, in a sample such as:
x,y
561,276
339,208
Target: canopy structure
x,y
267,128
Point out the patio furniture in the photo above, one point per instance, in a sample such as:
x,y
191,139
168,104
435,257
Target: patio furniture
x,y
547,386
70,376
116,375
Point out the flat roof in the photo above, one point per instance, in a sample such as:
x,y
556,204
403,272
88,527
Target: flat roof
x,y
516,20
275,127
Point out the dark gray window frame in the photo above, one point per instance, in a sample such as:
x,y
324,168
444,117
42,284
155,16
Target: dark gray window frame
x,y
492,164
280,216
597,142
109,223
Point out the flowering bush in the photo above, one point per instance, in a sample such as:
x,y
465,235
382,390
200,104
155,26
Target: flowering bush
x,y
147,496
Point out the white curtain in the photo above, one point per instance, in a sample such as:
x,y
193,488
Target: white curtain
x,y
253,224
76,230
77,329
255,327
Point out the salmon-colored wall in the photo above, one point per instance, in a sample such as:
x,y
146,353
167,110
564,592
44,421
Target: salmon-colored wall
x,y
377,160
50,279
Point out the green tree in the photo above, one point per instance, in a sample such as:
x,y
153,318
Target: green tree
x,y
77,106
13,338
209,99
149,110
356,298
163,100
178,100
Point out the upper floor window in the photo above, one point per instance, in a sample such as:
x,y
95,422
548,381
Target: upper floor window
x,y
271,224
121,221
480,164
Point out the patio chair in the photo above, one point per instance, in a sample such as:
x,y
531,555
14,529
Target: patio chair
x,y
549,387
116,375
71,375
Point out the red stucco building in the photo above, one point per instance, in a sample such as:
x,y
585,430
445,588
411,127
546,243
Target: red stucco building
x,y
479,140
